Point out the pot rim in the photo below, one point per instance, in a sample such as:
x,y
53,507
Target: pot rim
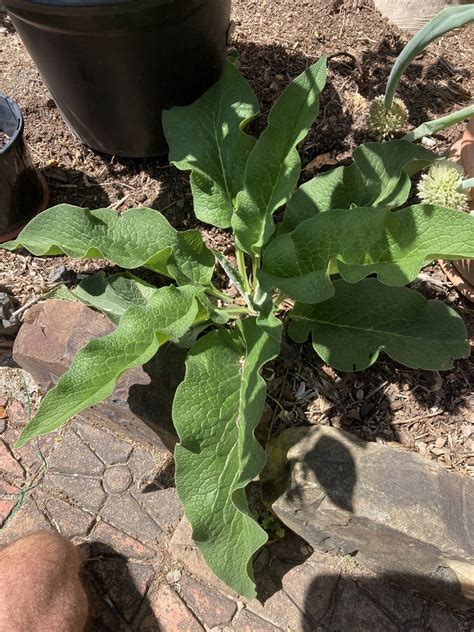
x,y
17,113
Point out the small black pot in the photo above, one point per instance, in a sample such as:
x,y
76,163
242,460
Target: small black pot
x,y
23,191
113,66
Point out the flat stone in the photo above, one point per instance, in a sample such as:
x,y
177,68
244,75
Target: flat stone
x,y
126,583
52,333
404,606
311,586
165,507
10,469
103,616
354,611
404,516
70,521
440,620
169,613
125,513
110,448
210,606
107,540
249,622
87,492
27,520
73,456
117,479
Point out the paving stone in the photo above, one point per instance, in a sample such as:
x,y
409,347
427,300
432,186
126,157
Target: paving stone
x,y
52,333
17,414
88,492
8,500
125,582
354,611
72,456
169,613
278,607
211,607
110,448
103,616
10,469
165,507
336,496
117,479
70,521
143,465
404,606
311,586
27,520
105,539
440,620
249,622
125,513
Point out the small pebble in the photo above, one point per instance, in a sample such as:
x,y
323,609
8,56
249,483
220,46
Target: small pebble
x,y
173,577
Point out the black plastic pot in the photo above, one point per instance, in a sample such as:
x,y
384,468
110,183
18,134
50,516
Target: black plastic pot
x,y
23,191
113,66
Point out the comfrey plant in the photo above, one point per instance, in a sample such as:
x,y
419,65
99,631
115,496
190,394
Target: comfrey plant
x,y
342,253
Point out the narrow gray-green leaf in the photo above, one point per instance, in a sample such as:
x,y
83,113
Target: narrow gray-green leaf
x,y
362,319
136,238
207,137
378,176
216,410
428,128
447,20
363,241
274,166
168,315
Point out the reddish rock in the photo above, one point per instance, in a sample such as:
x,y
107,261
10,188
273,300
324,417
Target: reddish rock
x,y
10,469
169,614
106,538
52,333
250,622
214,609
8,499
27,520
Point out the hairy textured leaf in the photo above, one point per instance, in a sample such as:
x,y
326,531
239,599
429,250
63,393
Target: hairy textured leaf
x,y
379,176
168,315
362,319
364,241
216,410
136,238
273,167
207,137
112,294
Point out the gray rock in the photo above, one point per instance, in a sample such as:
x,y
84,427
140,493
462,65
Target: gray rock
x,y
405,518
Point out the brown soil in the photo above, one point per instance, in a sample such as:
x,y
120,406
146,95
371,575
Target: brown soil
x,y
276,39
4,138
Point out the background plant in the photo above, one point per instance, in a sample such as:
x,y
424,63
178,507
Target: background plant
x,y
388,115
342,253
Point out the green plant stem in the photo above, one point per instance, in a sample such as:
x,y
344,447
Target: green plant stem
x,y
213,291
279,298
240,257
467,184
236,311
431,127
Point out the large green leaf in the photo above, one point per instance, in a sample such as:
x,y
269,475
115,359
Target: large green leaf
x,y
216,410
379,176
207,137
135,238
112,295
168,315
274,166
362,319
363,241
